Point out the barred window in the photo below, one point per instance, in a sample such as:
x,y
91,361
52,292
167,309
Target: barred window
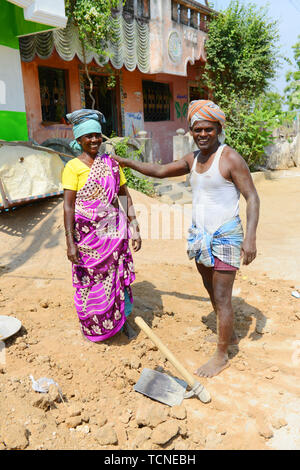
x,y
53,94
129,7
189,16
139,8
143,8
156,101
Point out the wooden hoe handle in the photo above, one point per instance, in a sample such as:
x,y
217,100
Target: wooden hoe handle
x,y
165,351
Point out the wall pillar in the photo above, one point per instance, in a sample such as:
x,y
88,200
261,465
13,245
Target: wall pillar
x,y
181,144
146,144
13,123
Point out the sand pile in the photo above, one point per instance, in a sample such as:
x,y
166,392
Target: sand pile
x,y
255,402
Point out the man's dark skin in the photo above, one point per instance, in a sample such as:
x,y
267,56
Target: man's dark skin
x,y
218,284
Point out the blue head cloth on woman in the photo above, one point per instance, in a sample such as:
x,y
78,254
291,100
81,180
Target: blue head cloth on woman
x,y
85,121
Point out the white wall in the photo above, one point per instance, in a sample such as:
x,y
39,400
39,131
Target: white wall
x,y
11,82
50,12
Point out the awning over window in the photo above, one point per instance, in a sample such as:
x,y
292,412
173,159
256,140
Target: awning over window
x,y
131,48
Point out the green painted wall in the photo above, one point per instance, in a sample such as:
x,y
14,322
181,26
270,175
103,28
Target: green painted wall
x,y
13,24
13,126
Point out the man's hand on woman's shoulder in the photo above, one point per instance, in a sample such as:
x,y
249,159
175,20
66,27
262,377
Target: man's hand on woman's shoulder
x,y
120,160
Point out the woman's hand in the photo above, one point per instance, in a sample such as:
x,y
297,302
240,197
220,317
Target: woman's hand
x,y
72,253
135,235
136,242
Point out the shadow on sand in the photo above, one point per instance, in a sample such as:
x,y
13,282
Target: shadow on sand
x,y
20,222
148,304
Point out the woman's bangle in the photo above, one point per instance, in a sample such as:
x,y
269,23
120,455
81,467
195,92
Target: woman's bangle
x,y
69,232
134,222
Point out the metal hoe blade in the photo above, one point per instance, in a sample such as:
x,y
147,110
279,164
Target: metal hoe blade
x,y
161,387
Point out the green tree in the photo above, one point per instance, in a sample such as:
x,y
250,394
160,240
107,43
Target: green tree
x,y
93,19
271,102
241,52
293,80
242,59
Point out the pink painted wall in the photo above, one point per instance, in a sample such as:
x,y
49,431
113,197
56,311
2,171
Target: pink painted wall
x,y
190,40
162,132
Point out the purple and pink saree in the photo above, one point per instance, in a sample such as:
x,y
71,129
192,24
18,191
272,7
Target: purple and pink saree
x,y
105,272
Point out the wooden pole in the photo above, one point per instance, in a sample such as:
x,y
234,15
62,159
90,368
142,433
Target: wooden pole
x,y
189,378
3,195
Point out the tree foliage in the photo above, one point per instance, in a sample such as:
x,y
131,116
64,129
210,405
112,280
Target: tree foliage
x,y
241,52
250,130
293,79
134,181
93,20
242,59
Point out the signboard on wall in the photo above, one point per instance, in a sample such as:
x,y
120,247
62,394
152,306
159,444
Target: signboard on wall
x,y
134,123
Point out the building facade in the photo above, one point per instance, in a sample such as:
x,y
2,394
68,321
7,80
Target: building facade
x,y
18,18
157,61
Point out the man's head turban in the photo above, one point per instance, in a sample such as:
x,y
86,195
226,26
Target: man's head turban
x,y
205,110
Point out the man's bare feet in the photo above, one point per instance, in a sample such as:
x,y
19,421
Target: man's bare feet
x,y
214,366
214,339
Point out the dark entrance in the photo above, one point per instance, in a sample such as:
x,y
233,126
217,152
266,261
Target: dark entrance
x,y
197,93
106,102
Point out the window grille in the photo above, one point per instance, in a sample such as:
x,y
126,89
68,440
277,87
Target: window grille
x,y
176,12
189,16
194,20
184,15
143,8
53,94
156,101
138,8
129,7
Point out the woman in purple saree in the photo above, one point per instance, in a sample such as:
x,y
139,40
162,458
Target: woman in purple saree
x,y
97,233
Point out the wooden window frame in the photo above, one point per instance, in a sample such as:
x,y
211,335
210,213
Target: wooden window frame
x,y
67,93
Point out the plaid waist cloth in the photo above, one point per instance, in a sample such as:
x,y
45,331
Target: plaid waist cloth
x,y
225,244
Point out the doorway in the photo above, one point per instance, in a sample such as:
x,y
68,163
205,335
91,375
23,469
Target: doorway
x,y
105,102
197,92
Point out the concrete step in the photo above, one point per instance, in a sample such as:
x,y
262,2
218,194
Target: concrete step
x,y
186,199
175,195
174,191
180,202
163,189
184,184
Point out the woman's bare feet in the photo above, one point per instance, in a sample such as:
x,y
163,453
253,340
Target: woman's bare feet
x,y
129,331
214,366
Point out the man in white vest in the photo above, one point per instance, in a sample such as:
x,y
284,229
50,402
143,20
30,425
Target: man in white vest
x,y
218,174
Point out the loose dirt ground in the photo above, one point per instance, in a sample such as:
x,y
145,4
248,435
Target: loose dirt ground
x,y
255,402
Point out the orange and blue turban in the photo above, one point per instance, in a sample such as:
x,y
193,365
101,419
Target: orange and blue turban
x,y
205,110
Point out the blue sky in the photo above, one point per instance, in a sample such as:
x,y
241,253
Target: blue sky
x,y
287,13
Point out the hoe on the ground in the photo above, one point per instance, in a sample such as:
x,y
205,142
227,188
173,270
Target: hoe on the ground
x,y
165,388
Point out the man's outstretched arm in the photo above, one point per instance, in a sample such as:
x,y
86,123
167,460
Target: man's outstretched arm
x,y
178,168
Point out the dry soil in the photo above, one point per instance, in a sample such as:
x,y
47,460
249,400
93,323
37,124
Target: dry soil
x,y
255,402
